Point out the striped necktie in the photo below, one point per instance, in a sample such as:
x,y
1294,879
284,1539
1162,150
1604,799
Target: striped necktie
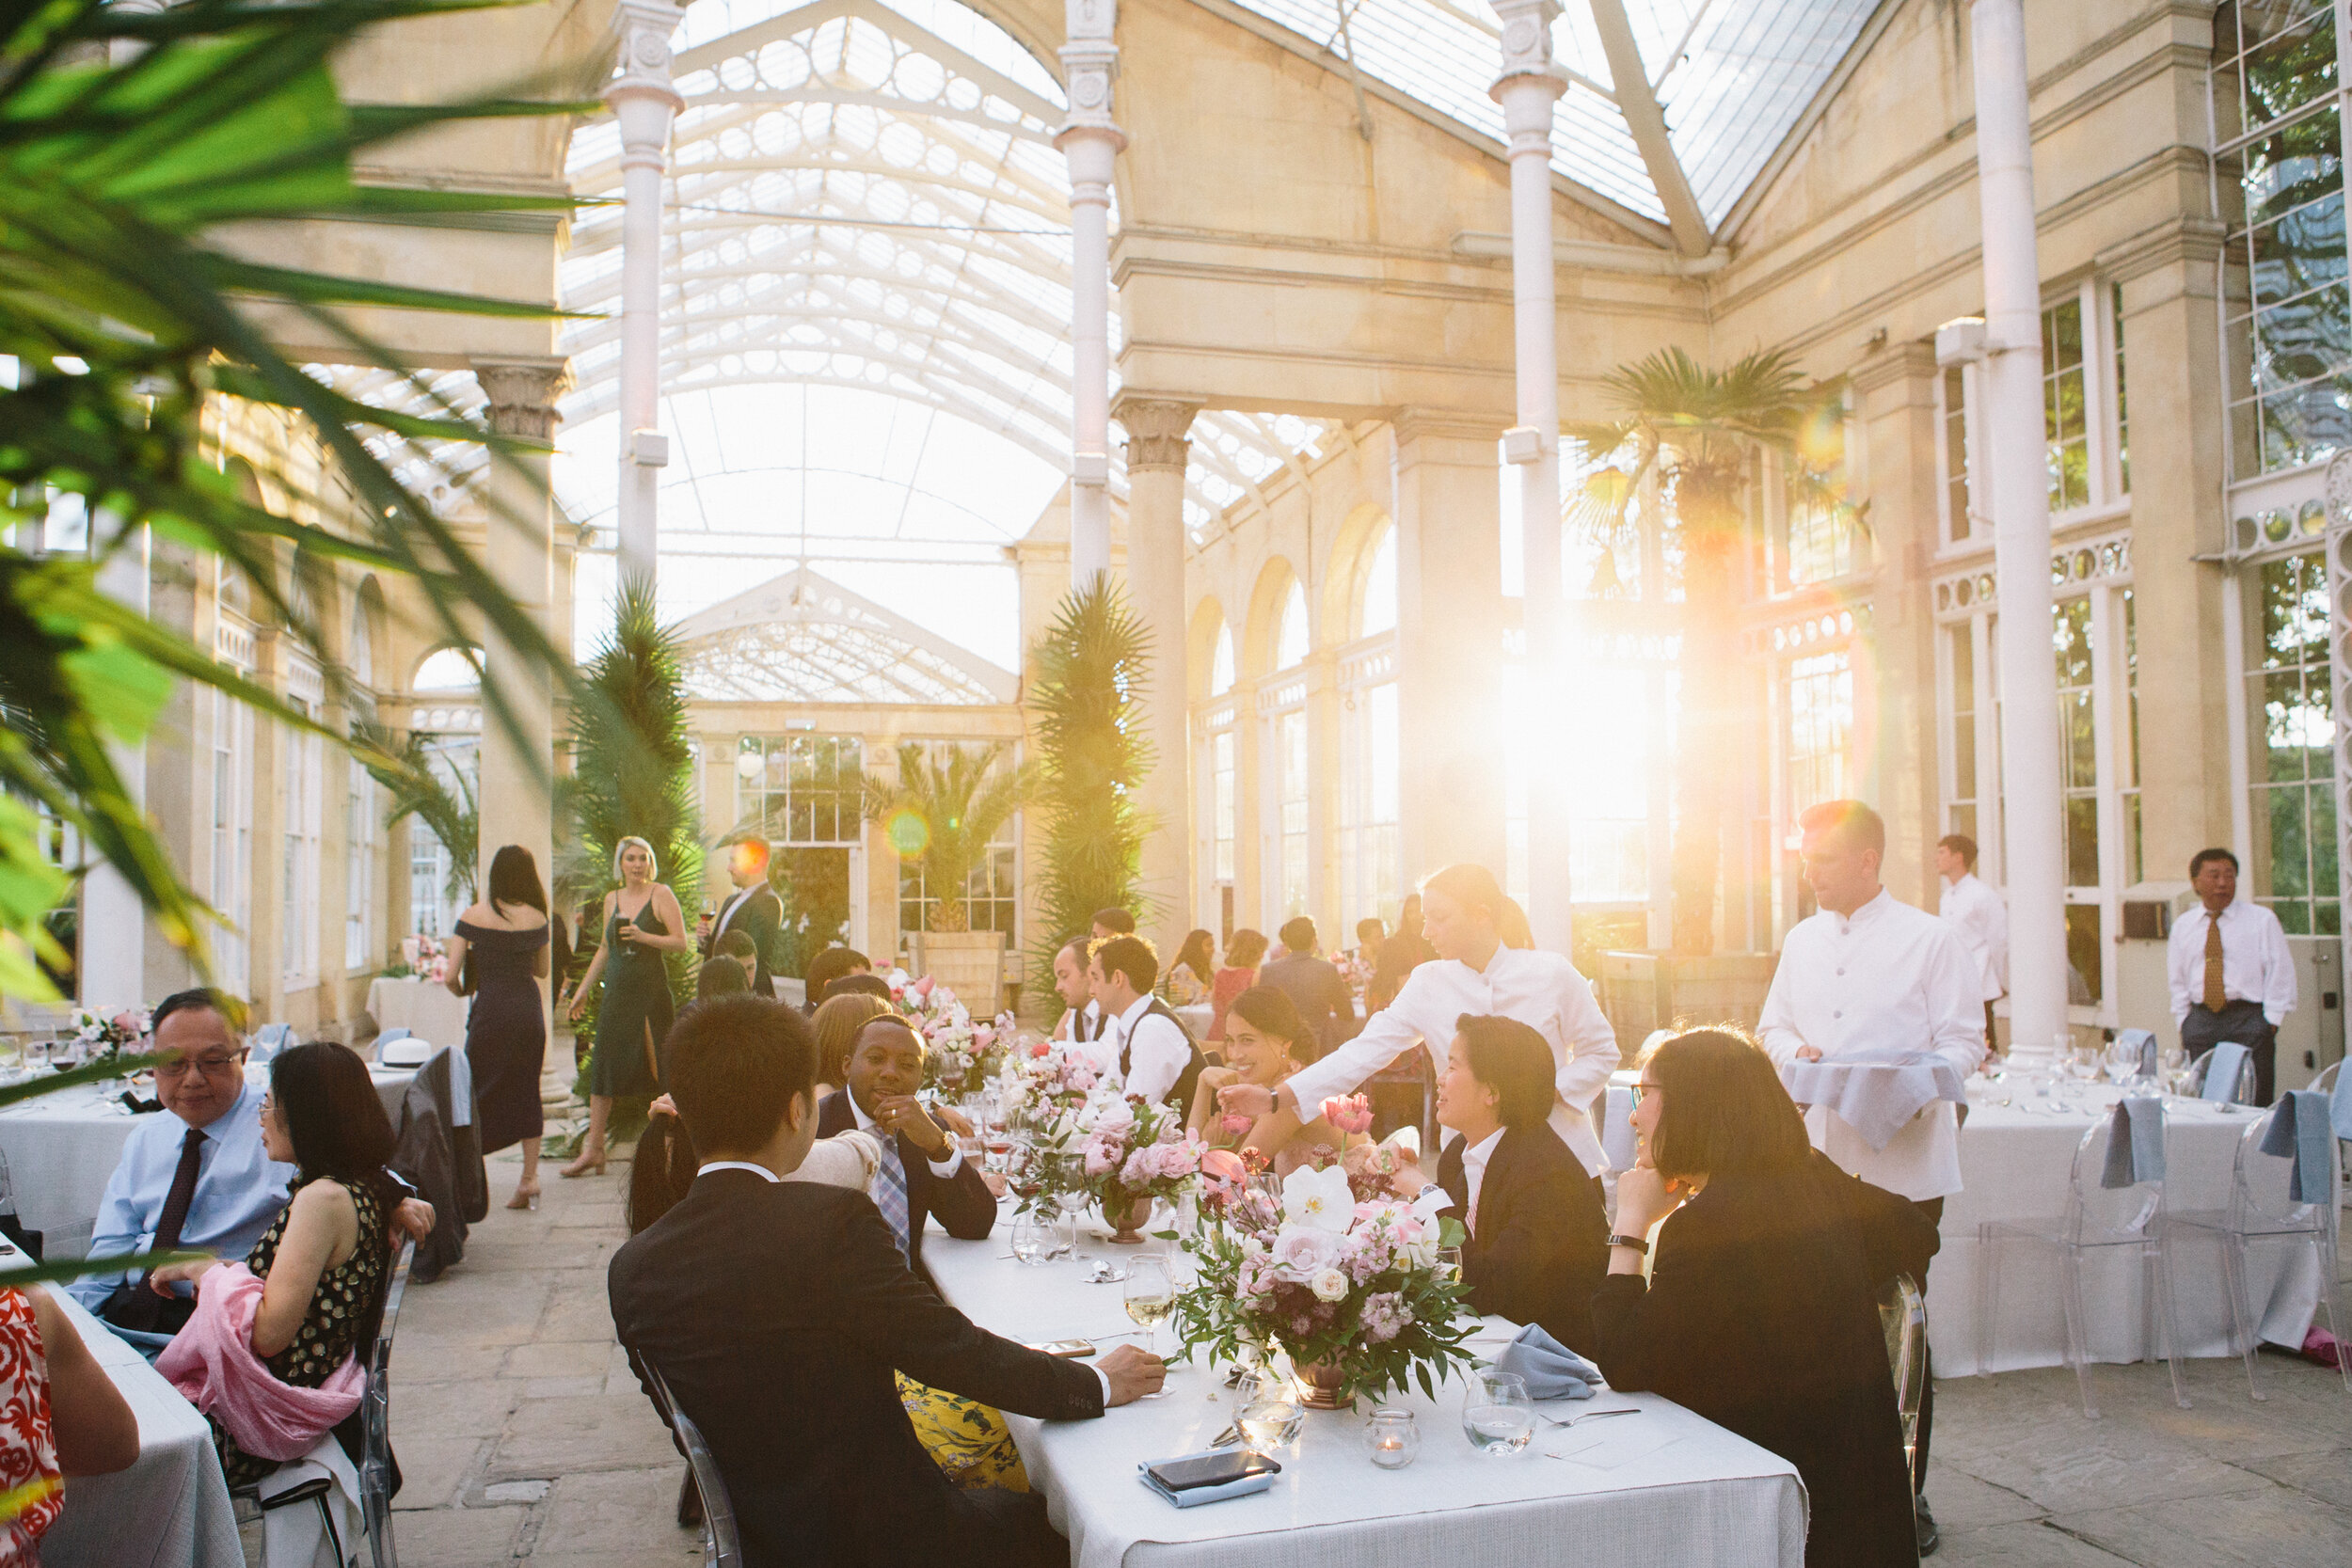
x,y
890,1193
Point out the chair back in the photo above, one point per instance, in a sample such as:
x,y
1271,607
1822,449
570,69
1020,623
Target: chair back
x,y
2242,1092
2259,1203
722,1547
2098,1215
1903,1316
375,1418
270,1039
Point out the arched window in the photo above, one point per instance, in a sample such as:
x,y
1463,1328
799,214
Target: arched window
x,y
363,662
1379,600
1290,642
1221,663
445,670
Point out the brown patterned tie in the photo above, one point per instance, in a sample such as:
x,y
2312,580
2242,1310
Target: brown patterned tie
x,y
2215,998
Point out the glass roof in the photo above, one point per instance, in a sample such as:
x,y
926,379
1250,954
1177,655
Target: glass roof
x,y
1731,75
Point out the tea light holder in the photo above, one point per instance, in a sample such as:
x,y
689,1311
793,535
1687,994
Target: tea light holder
x,y
1392,1437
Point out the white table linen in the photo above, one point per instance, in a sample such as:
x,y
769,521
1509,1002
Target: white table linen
x,y
1666,1489
170,1509
424,1007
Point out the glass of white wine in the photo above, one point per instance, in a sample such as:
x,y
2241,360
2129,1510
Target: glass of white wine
x,y
1151,1297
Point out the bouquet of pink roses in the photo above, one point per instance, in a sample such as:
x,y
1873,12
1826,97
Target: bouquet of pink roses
x,y
965,1053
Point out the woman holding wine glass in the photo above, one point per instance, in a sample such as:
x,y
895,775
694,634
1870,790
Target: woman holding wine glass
x,y
641,926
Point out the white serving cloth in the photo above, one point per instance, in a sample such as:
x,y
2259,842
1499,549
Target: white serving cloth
x,y
294,1536
170,1509
2015,1165
1663,1490
424,1008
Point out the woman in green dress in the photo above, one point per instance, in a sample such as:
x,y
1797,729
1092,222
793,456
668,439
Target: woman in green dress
x,y
641,926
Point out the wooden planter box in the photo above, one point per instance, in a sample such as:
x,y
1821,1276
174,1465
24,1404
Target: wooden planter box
x,y
970,963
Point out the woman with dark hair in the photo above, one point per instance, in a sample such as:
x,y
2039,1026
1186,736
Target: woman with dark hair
x,y
837,1024
325,1265
1188,978
1242,951
1761,1308
499,946
1265,1041
1538,1241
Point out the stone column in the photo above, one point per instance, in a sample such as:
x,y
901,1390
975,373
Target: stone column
x,y
1449,615
643,102
1156,451
1527,89
1091,141
518,771
111,936
2035,862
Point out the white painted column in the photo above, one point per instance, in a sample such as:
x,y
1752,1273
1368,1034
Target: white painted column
x,y
2030,786
1091,143
643,102
110,957
1158,448
1527,89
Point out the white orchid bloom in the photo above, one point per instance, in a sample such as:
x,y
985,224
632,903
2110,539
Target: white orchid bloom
x,y
1318,1197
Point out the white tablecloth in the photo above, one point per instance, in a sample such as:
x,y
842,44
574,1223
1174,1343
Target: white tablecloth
x,y
1197,1018
2015,1163
1664,1488
170,1509
424,1007
62,1147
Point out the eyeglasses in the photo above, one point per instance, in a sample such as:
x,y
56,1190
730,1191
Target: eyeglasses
x,y
1637,1092
214,1066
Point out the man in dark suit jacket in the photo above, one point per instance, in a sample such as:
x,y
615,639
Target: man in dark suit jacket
x,y
776,1312
753,909
1538,1244
885,1070
1313,985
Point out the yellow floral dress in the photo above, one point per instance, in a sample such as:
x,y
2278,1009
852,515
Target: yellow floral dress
x,y
968,1438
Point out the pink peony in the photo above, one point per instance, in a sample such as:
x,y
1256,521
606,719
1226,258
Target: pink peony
x,y
1302,1251
1101,1157
1137,1171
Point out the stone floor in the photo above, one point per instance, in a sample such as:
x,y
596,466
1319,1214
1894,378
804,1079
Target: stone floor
x,y
524,1438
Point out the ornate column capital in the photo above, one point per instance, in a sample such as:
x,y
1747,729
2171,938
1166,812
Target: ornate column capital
x,y
1527,61
1156,431
522,394
642,97
1089,68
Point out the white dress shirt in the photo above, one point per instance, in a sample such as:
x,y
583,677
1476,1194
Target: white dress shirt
x,y
1474,1171
1976,912
2256,964
728,910
945,1166
1887,980
1156,1047
1540,990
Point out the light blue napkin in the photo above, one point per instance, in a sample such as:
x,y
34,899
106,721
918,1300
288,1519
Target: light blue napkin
x,y
2299,1129
2144,1040
1548,1368
2222,1066
1194,1497
2136,1142
2342,1104
1876,1099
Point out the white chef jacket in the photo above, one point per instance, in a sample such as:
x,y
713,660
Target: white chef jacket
x,y
1974,909
1540,990
2256,964
1156,1047
1887,978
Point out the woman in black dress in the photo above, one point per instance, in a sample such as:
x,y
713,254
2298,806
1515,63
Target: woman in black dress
x,y
506,936
1761,1309
641,926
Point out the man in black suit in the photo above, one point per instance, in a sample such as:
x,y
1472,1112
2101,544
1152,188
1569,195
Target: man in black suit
x,y
753,909
923,1172
776,1312
1538,1244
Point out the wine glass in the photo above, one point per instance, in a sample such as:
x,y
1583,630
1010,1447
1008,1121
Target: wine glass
x,y
1498,1416
1150,1294
1449,1263
1271,1414
1032,1241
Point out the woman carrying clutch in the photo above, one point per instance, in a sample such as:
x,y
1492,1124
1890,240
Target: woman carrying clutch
x,y
641,926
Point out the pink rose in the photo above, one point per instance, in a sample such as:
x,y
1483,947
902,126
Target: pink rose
x,y
1100,1158
1302,1251
1042,1050
1235,1126
1137,1171
1080,1079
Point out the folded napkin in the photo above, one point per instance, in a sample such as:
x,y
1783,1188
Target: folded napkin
x,y
2136,1142
2144,1040
2342,1104
1548,1368
1193,1496
2299,1129
2222,1065
1874,1098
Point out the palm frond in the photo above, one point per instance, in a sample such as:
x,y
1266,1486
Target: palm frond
x,y
942,812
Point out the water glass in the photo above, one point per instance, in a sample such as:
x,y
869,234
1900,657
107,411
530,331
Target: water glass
x,y
1032,1241
1498,1416
1449,1263
1271,1414
1392,1437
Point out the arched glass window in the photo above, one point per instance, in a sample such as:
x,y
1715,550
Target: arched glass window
x,y
363,662
1379,604
1221,664
445,670
1290,644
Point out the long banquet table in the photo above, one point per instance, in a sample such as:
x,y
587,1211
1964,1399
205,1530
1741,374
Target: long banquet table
x,y
1666,1488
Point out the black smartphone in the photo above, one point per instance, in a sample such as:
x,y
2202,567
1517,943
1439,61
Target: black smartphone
x,y
1216,1470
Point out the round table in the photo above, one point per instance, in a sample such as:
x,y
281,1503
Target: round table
x,y
426,1009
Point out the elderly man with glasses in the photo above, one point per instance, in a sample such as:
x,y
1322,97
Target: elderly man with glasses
x,y
196,1178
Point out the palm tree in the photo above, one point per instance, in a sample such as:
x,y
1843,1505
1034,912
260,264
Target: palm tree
x,y
126,141
632,760
941,812
1700,432
440,797
1091,668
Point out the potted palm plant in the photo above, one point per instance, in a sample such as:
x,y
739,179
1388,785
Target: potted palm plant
x,y
940,813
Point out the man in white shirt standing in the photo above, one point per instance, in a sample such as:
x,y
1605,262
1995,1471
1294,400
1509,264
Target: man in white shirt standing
x,y
2232,971
1869,974
1976,912
1156,1058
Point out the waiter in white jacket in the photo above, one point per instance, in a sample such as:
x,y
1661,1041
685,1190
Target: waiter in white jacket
x,y
1973,909
1464,917
1870,973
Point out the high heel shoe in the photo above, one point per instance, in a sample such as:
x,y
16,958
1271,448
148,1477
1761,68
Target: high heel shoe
x,y
525,1197
583,1166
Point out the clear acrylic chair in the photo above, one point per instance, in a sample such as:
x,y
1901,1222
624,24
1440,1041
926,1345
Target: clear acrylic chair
x,y
2198,1065
1903,1316
2261,1214
2325,1084
2097,1219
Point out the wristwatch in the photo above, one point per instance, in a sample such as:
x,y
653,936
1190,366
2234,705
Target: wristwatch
x,y
1636,1243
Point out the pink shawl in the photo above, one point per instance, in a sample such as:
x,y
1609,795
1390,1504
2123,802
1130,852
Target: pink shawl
x,y
212,1363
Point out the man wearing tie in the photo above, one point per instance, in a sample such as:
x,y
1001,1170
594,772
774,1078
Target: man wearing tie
x,y
753,909
2232,976
922,1171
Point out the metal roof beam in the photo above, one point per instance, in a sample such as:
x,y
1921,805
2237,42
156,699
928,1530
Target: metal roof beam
x,y
1647,123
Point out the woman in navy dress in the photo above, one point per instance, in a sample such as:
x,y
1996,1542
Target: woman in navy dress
x,y
504,940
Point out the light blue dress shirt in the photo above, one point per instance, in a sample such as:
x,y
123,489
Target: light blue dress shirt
x,y
239,1191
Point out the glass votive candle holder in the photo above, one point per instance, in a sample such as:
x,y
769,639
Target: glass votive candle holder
x,y
1392,1437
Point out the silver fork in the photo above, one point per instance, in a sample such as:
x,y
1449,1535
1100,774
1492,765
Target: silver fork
x,y
1588,1416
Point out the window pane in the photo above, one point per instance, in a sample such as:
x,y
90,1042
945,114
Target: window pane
x,y
2085,976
